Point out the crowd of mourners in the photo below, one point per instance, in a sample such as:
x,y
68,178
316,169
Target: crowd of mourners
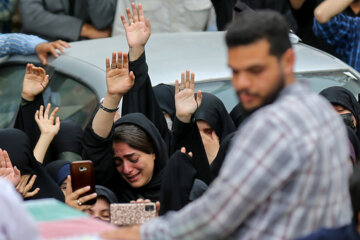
x,y
282,164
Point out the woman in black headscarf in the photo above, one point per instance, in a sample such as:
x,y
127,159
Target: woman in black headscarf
x,y
205,134
345,104
101,209
58,171
213,111
17,144
130,160
180,185
165,95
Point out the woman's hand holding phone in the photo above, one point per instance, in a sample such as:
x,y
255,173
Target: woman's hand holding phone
x,y
74,200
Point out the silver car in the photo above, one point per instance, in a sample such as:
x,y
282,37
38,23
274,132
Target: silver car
x,y
77,78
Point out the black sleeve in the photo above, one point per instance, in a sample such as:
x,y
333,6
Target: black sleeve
x,y
25,119
187,135
141,98
177,182
224,12
99,151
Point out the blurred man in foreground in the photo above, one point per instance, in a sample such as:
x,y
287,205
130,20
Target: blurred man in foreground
x,y
275,181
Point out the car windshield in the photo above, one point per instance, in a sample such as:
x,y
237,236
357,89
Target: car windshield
x,y
317,80
76,101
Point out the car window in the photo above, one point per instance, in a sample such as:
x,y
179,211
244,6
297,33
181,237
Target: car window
x,y
222,89
76,100
317,80
10,91
321,80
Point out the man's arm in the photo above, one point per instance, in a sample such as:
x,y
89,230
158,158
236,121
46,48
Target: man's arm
x,y
330,8
339,31
101,13
36,19
17,43
248,177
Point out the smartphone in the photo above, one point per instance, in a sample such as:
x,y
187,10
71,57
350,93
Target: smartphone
x,y
82,175
123,214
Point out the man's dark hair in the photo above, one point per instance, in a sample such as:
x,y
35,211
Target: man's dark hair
x,y
252,26
354,188
134,136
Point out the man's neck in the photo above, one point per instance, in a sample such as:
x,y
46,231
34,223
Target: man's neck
x,y
355,7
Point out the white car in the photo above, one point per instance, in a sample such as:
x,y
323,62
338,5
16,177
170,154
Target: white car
x,y
77,78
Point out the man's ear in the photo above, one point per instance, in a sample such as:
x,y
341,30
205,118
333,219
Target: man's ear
x,y
358,218
288,62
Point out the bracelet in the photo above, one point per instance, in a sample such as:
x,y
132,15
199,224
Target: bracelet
x,y
107,109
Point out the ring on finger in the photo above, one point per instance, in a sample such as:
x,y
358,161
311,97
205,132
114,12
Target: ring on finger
x,y
42,85
113,65
79,202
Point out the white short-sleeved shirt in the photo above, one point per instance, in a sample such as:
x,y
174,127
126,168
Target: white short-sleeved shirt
x,y
170,15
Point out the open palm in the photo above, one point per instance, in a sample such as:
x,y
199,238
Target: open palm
x,y
48,123
118,78
138,28
185,102
35,81
7,171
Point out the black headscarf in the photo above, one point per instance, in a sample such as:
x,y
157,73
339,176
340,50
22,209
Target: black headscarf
x,y
165,95
178,179
213,111
17,144
152,189
354,140
106,193
68,139
58,170
342,96
218,161
238,114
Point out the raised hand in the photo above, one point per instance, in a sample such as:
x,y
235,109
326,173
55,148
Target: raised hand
x,y
7,171
74,200
118,78
138,30
185,102
35,82
48,124
25,186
